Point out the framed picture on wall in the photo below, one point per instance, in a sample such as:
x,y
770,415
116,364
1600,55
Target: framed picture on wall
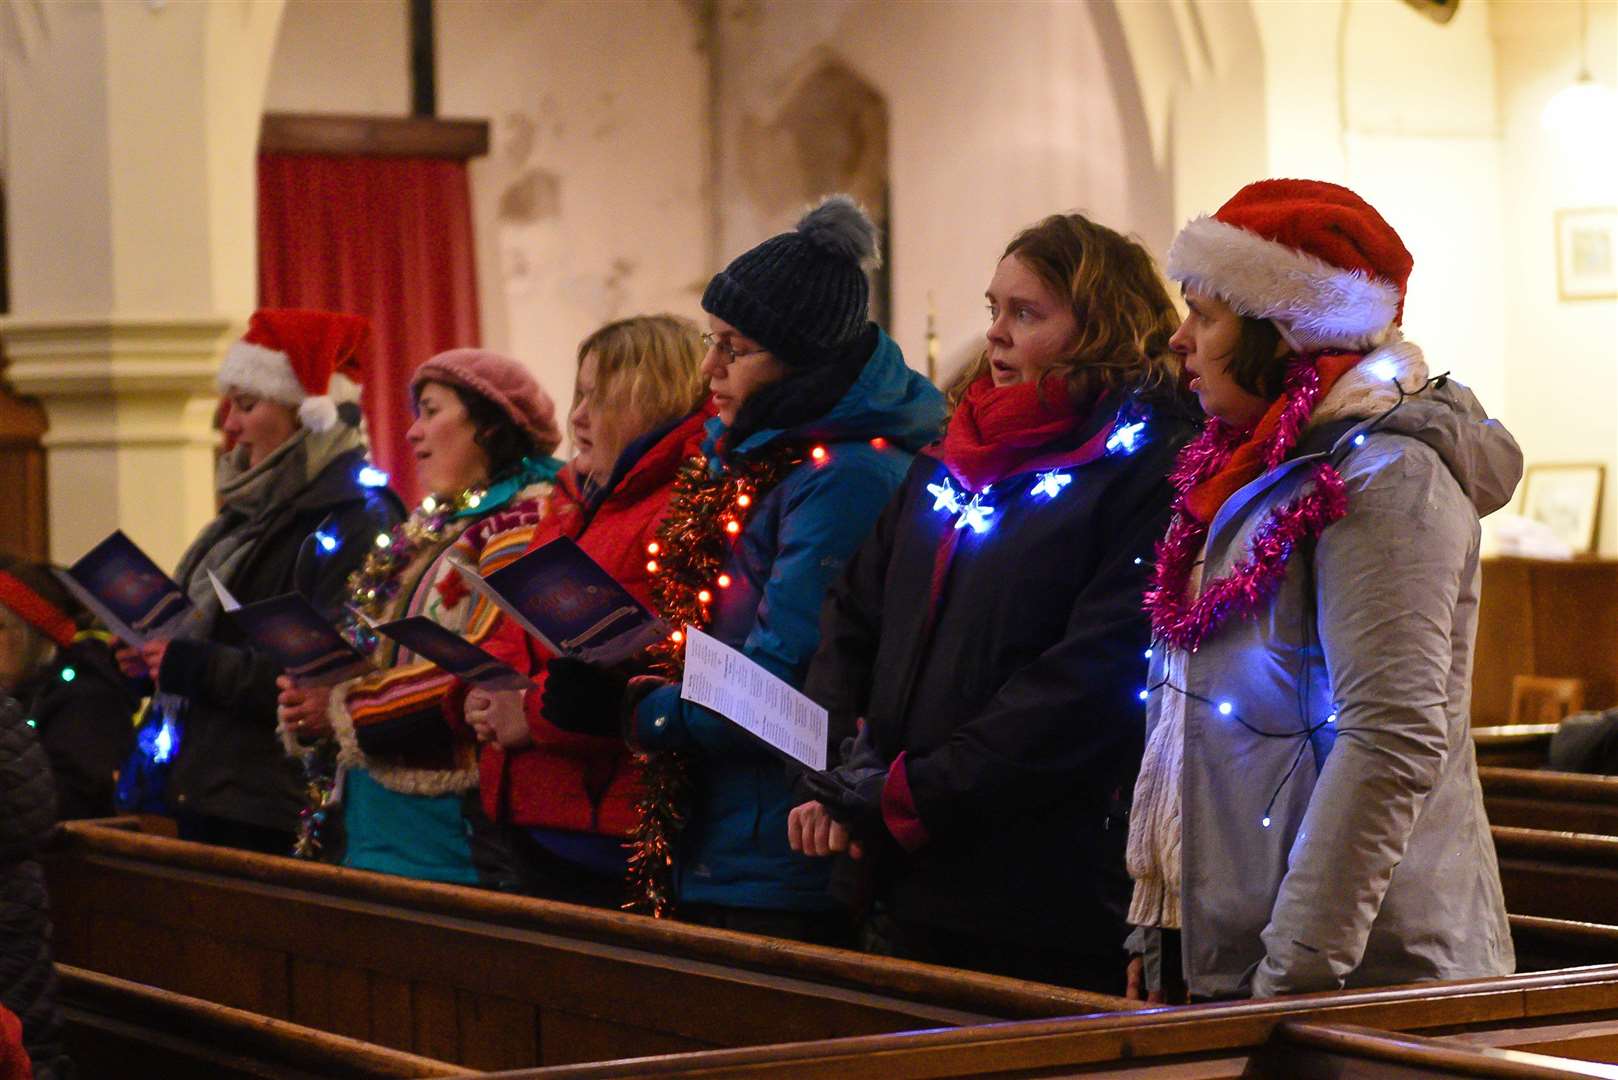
x,y
1587,254
1567,498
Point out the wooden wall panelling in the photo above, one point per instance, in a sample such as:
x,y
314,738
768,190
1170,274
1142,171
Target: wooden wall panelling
x,y
1575,625
1538,617
1505,642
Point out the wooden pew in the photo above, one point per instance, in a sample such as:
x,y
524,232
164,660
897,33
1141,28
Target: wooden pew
x,y
1340,1052
112,1023
477,978
1540,799
1545,944
1568,1013
1525,746
1560,875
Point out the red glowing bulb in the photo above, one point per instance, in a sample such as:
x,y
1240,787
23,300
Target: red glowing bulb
x,y
677,637
724,581
653,548
704,596
880,443
818,453
733,527
651,566
744,501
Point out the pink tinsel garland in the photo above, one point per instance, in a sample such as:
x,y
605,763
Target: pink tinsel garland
x,y
1252,583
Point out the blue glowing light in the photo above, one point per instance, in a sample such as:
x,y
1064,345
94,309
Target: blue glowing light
x,y
32,722
1266,821
1137,560
1385,370
1144,695
945,497
326,540
69,674
1126,438
372,477
1051,483
976,514
1359,440
163,745
1148,654
1225,708
1332,719
158,745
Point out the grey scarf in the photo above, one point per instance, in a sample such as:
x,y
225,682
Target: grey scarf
x,y
249,498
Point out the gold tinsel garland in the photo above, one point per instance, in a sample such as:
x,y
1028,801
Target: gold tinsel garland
x,y
705,518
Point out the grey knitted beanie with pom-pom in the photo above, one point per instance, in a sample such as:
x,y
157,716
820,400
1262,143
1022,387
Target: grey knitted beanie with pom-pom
x,y
803,294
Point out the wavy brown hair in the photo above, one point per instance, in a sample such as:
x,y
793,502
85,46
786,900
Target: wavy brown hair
x,y
1120,305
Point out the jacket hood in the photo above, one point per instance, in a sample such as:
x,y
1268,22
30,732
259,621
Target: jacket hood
x,y
887,400
1479,452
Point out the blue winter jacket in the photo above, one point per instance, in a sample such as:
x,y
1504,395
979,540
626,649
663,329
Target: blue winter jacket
x,y
734,850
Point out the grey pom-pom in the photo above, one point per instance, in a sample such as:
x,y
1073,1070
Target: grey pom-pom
x,y
840,227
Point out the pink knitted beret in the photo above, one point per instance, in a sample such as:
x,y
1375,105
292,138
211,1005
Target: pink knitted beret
x,y
503,381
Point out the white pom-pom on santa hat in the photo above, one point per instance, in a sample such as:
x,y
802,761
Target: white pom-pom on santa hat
x,y
309,360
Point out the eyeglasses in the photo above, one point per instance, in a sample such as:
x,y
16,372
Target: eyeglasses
x,y
714,341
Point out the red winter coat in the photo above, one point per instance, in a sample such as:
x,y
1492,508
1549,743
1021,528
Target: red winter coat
x,y
582,782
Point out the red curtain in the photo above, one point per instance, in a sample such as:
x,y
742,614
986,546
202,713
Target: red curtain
x,y
385,237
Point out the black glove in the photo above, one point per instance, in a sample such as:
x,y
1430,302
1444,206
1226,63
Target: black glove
x,y
583,698
852,795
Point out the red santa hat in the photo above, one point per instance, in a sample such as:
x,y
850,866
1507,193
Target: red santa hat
x,y
309,360
1313,258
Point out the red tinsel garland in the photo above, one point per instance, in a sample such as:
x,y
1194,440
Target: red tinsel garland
x,y
1253,582
705,518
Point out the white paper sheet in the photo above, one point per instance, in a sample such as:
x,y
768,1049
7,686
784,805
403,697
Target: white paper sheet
x,y
227,601
722,679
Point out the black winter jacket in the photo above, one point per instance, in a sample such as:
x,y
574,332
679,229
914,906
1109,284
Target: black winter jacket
x,y
84,712
27,814
1014,697
230,763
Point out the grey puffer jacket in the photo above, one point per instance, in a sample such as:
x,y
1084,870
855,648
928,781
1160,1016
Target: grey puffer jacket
x,y
27,814
1348,846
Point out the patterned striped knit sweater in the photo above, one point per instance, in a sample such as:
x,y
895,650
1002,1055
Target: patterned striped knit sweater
x,y
392,722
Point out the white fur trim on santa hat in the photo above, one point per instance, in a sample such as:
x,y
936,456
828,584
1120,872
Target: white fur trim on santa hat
x,y
258,370
320,413
1314,304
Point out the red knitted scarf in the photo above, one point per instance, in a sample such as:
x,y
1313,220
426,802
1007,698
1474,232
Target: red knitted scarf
x,y
1001,431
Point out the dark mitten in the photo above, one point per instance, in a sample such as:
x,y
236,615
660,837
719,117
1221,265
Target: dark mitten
x,y
853,796
583,698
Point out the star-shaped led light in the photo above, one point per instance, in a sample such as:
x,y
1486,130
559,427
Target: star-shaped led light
x,y
1051,483
945,497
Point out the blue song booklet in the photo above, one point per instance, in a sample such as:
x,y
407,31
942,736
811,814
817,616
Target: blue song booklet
x,y
290,629
126,590
453,653
569,602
